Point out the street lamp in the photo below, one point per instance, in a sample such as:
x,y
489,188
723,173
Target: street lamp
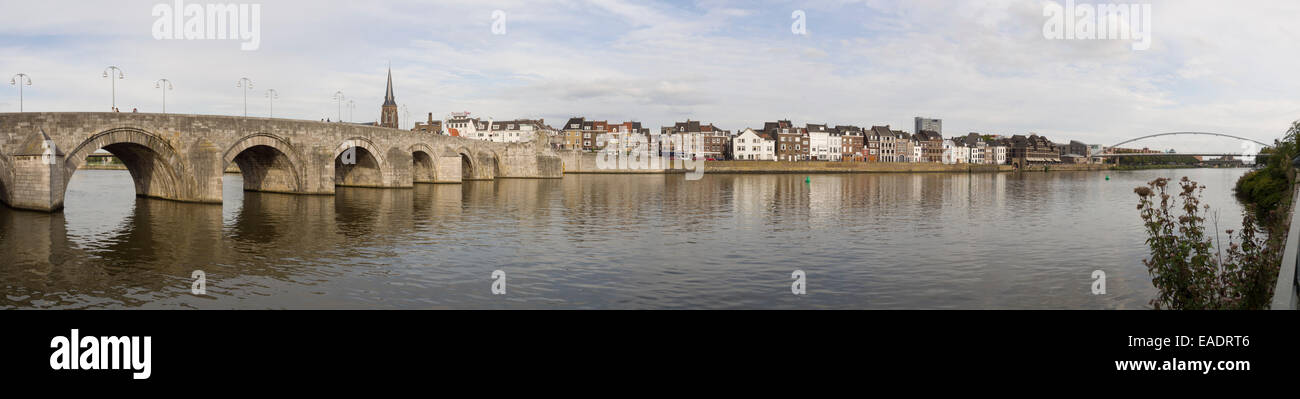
x,y
271,95
108,73
338,96
247,85
352,106
165,85
20,80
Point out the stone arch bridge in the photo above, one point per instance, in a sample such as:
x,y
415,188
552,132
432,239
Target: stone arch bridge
x,y
183,157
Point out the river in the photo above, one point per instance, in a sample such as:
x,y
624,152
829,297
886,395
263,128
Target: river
x,y
863,241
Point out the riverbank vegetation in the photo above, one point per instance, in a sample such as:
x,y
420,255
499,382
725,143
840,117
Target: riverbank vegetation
x,y
1190,268
1267,190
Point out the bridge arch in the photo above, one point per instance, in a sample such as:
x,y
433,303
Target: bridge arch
x,y
496,164
267,162
1107,149
365,166
424,167
469,164
155,166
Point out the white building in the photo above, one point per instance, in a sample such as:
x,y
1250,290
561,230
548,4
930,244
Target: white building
x,y
836,143
960,153
998,153
880,144
751,146
954,152
977,153
462,125
949,152
516,131
981,152
823,144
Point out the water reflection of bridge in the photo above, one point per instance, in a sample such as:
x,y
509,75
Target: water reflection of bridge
x,y
147,258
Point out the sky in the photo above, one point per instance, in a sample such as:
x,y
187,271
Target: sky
x,y
980,65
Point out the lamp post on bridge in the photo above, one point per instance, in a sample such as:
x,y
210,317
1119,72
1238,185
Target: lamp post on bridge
x,y
247,85
165,85
338,97
271,95
20,80
108,73
352,106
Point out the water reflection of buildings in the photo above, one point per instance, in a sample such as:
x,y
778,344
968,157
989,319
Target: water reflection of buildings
x,y
753,196
825,197
593,204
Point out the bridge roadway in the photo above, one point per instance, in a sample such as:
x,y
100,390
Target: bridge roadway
x,y
183,157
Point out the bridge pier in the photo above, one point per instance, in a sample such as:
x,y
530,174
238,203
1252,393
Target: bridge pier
x,y
38,183
447,168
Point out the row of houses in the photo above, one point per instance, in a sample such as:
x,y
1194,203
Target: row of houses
x,y
780,140
821,142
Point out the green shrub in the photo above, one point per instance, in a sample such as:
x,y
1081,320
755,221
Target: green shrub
x,y
1267,190
1185,267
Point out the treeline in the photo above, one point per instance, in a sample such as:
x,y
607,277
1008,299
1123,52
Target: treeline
x,y
1267,190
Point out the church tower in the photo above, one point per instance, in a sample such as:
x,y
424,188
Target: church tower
x,y
389,111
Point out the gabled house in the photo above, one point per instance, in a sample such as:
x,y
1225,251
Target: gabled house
x,y
752,145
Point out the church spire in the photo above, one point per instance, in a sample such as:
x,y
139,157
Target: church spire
x,y
388,97
388,112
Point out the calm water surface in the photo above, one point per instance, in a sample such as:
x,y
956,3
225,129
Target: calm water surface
x,y
879,241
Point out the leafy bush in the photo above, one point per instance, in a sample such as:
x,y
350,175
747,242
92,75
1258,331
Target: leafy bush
x,y
1265,189
1184,265
1268,189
